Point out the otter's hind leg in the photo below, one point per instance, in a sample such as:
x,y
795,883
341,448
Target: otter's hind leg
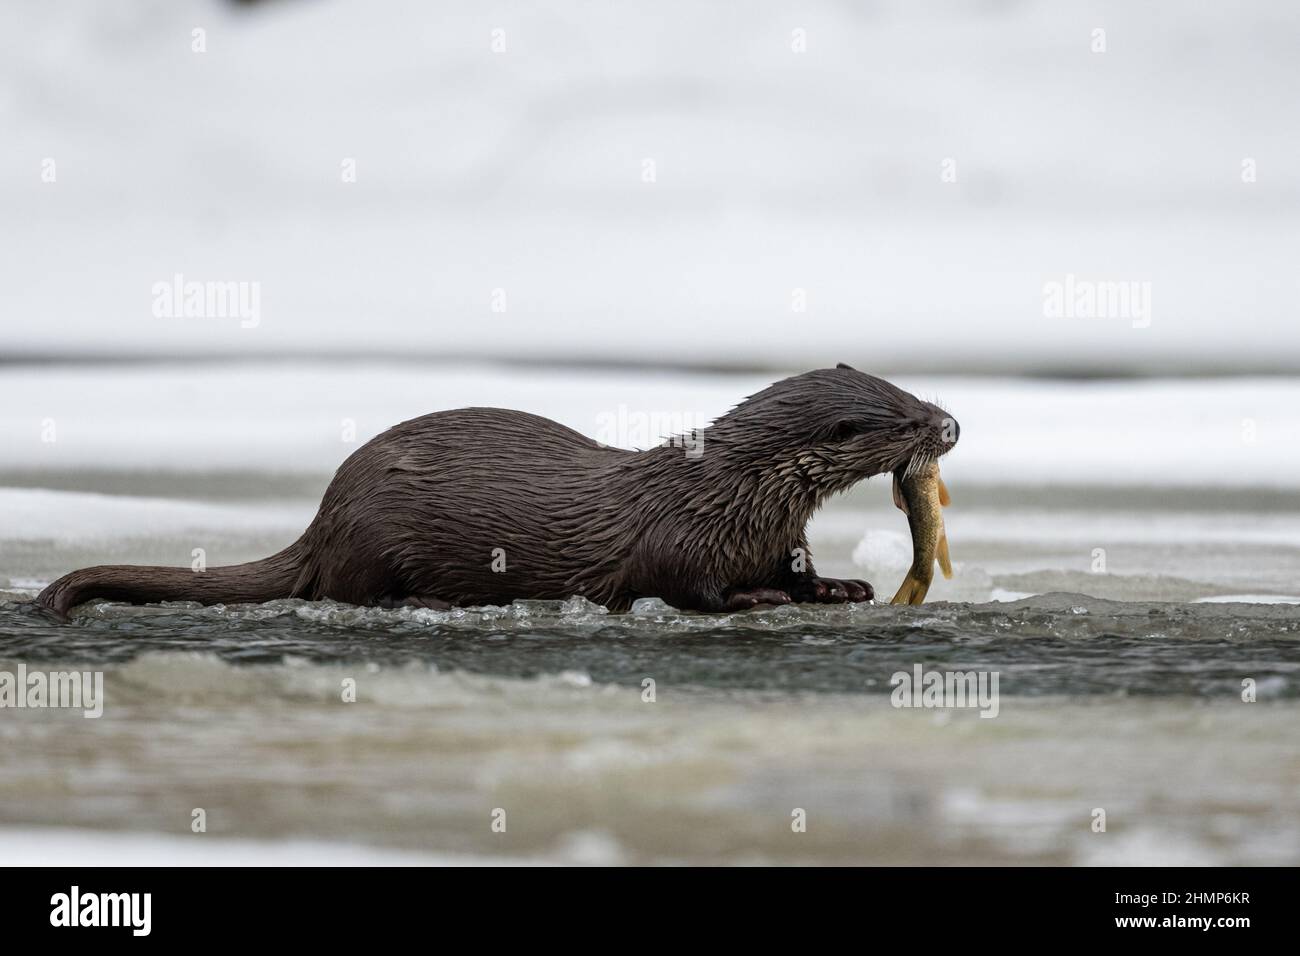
x,y
752,597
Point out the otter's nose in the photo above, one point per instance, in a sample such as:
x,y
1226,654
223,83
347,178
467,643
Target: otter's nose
x,y
948,428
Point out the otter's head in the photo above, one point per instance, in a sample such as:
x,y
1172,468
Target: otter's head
x,y
834,427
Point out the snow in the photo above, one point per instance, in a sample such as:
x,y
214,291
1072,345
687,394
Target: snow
x,y
777,174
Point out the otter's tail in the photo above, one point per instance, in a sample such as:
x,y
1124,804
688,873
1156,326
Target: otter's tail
x,y
264,580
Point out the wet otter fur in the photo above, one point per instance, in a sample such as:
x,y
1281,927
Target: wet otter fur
x,y
416,515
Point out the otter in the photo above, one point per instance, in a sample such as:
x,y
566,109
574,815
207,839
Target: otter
x,y
483,506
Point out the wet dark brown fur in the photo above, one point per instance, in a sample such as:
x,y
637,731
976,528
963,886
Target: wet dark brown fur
x,y
415,515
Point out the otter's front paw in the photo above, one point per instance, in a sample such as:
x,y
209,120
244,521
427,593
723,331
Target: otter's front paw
x,y
743,600
832,591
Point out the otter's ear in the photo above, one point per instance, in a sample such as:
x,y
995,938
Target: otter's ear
x,y
842,365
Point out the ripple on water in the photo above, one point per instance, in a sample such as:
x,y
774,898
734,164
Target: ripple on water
x,y
1047,644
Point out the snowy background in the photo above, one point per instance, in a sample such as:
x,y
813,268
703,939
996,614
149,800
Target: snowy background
x,y
774,171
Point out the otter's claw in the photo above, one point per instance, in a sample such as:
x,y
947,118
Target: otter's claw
x,y
833,591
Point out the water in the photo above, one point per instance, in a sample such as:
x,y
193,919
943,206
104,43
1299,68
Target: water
x,y
540,710
1042,646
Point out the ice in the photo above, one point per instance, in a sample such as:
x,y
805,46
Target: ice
x,y
297,417
38,514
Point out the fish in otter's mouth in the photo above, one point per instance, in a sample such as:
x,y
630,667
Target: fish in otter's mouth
x,y
920,494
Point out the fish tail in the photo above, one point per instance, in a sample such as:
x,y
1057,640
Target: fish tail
x,y
912,590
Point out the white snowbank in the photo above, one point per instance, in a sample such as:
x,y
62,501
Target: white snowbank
x,y
301,418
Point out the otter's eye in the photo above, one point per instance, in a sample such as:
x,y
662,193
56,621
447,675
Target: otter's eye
x,y
846,429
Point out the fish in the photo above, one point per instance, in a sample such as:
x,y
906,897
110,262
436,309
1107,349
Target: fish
x,y
920,494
